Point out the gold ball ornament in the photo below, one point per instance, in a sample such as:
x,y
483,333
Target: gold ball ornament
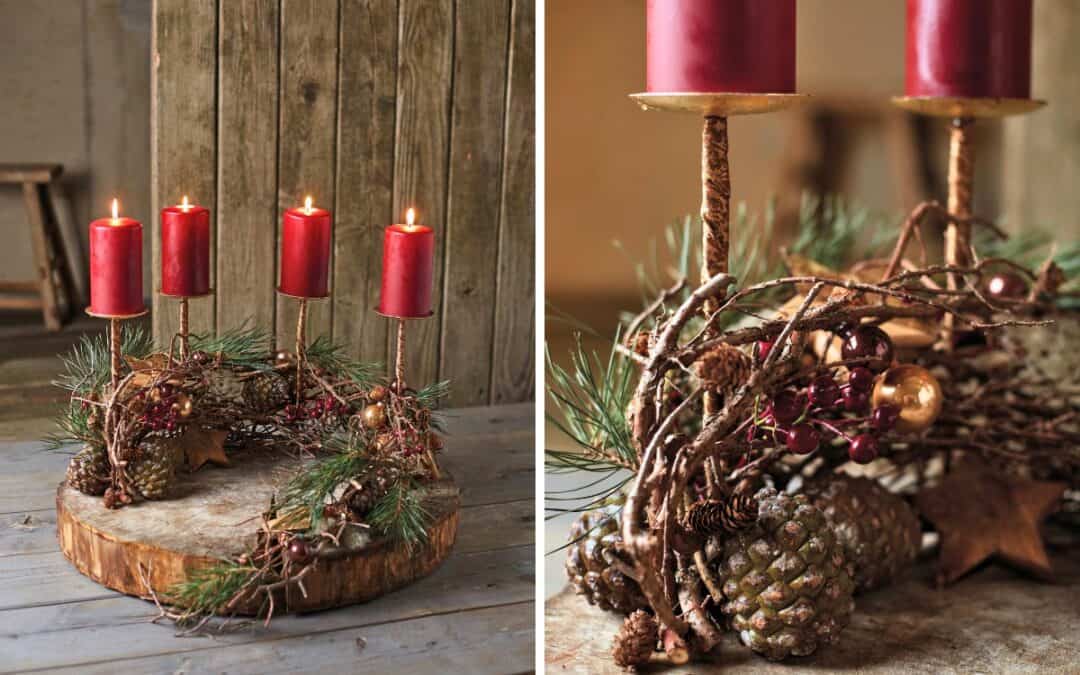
x,y
914,391
284,358
374,416
377,394
183,405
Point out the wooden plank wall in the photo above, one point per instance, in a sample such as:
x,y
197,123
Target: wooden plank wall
x,y
371,106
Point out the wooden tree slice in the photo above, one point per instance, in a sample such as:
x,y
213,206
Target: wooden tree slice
x,y
214,514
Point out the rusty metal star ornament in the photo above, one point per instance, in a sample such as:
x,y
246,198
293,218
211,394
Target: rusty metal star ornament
x,y
981,513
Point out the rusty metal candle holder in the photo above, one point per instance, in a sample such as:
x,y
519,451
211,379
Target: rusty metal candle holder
x,y
183,333
715,108
962,112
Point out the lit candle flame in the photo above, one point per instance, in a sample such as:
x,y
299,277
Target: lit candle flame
x,y
184,204
410,216
115,209
307,205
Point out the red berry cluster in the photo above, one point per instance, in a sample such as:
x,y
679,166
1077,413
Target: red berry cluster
x,y
320,408
412,442
159,414
826,409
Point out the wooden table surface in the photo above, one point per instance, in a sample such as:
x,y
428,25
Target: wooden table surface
x,y
994,621
473,615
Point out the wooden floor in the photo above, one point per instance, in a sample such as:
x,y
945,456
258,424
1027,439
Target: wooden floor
x,y
474,614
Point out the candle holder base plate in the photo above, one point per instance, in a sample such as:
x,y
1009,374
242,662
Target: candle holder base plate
x,y
302,297
97,315
404,318
219,510
718,104
947,106
190,297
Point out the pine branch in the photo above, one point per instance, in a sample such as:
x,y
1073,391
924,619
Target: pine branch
x,y
400,515
87,366
835,233
592,402
244,346
207,590
310,488
72,425
333,357
430,395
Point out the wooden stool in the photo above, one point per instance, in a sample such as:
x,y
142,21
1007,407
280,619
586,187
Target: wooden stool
x,y
54,276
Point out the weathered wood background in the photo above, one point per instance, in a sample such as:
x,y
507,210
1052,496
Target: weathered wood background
x,y
370,106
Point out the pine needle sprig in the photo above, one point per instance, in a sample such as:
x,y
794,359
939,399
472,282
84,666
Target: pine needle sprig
x,y
244,346
72,425
430,395
400,515
591,400
835,233
207,590
333,357
87,365
310,488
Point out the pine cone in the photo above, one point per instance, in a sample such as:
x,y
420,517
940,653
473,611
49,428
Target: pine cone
x,y
152,472
724,369
785,585
588,562
636,640
224,386
879,531
714,516
374,484
267,391
88,471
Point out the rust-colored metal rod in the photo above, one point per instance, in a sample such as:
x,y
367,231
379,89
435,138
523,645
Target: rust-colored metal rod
x,y
301,348
114,353
184,330
399,366
961,179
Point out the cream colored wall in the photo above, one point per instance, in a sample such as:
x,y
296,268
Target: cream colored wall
x,y
614,171
75,77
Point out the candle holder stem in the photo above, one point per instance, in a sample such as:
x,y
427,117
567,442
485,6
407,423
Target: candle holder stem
x,y
301,348
961,179
715,214
114,353
399,366
183,329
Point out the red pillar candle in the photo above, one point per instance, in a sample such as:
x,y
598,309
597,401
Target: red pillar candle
x,y
116,266
720,46
185,250
408,257
969,48
305,252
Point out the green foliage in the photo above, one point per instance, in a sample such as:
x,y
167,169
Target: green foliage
x,y
72,426
835,233
310,488
244,346
87,368
325,353
430,395
591,400
207,590
400,516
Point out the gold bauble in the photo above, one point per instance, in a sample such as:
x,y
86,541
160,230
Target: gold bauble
x,y
377,393
284,358
374,416
914,391
182,405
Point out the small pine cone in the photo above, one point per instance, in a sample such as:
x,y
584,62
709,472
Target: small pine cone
x,y
266,392
713,516
724,369
373,485
589,562
636,640
88,472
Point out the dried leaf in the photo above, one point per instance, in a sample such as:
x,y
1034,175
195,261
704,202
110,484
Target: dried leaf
x,y
158,361
204,445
